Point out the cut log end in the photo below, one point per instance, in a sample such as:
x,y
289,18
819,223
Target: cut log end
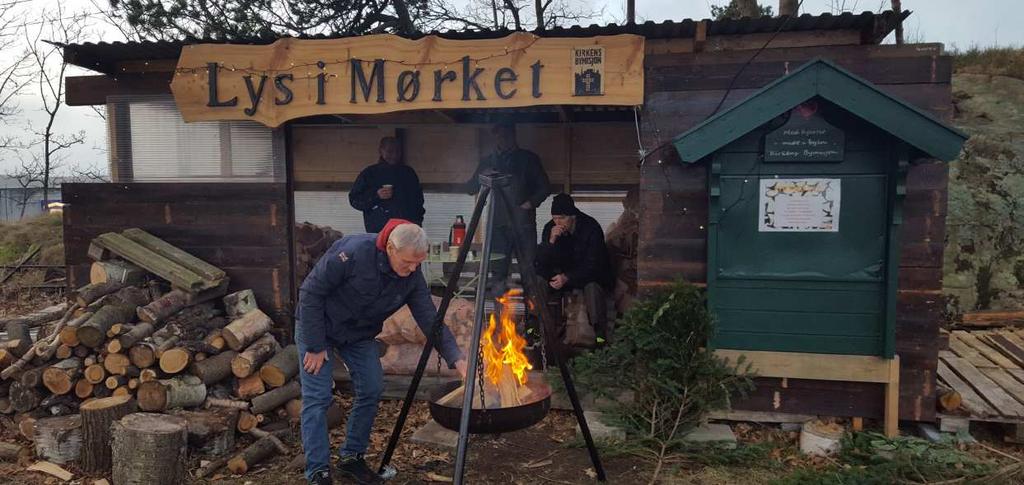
x,y
175,360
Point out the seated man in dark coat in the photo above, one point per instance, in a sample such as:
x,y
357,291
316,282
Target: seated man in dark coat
x,y
572,255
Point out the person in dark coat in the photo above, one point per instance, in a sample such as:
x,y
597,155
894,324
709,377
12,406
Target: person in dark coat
x,y
572,255
388,189
529,187
359,282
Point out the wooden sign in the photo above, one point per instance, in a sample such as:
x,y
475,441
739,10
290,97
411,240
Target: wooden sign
x,y
806,137
292,78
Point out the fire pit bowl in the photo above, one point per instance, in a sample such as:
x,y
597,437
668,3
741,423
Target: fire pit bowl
x,y
497,420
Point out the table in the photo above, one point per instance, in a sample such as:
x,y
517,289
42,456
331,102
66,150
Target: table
x,y
437,270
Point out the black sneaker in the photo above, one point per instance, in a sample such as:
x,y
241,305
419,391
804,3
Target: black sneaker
x,y
354,469
322,477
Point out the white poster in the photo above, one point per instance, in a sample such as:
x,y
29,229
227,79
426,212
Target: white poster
x,y
799,205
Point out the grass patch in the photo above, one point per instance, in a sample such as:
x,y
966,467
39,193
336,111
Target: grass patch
x,y
46,231
999,61
871,458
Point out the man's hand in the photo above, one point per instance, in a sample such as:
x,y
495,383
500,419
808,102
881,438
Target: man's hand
x,y
385,193
526,206
558,281
312,362
556,232
460,366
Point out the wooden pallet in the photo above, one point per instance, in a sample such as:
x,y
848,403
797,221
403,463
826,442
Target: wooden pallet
x,y
183,270
987,369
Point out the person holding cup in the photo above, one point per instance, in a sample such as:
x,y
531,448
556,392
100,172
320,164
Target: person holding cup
x,y
388,189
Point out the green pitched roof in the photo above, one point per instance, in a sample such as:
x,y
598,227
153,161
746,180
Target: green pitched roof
x,y
820,77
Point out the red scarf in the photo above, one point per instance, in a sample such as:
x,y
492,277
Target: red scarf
x,y
385,233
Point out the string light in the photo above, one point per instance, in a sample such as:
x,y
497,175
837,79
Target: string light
x,y
322,65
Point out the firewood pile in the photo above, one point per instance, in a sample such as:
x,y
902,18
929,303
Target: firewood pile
x,y
311,242
151,359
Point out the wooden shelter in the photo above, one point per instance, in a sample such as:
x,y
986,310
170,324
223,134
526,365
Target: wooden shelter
x,y
278,126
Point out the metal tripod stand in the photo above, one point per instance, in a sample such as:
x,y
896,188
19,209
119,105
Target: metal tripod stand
x,y
492,187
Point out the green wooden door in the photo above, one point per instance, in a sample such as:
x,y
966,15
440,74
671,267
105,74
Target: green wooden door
x,y
815,291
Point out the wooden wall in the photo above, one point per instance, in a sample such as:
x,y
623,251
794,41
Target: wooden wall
x,y
683,89
445,154
242,228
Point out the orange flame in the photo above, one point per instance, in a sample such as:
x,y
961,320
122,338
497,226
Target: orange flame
x,y
505,348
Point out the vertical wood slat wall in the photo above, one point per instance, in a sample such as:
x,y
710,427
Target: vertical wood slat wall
x,y
683,89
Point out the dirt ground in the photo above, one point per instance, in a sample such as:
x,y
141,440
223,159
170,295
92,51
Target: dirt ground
x,y
546,453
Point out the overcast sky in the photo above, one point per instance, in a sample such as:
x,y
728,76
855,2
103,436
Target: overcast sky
x,y
956,23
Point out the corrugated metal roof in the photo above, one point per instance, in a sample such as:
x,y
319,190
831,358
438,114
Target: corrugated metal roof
x,y
103,56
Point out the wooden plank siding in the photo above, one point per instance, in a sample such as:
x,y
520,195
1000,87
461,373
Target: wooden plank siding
x,y
681,90
240,228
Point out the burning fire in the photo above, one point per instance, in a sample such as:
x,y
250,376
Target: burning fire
x,y
502,348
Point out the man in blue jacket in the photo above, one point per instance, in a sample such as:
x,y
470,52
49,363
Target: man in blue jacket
x,y
360,281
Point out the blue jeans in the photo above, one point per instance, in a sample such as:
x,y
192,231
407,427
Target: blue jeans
x,y
363,361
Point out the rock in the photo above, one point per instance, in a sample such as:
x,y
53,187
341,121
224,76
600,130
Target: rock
x,y
713,433
599,429
433,434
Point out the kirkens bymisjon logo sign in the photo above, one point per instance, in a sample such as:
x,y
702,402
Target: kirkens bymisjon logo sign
x,y
588,69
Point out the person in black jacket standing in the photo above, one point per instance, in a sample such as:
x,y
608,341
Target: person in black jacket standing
x,y
388,189
572,255
529,187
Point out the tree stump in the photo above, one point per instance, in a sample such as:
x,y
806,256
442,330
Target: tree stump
x,y
180,392
97,416
250,359
246,329
276,398
214,369
59,439
281,367
149,449
211,432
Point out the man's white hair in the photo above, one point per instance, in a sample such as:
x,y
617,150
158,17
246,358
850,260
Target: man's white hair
x,y
409,236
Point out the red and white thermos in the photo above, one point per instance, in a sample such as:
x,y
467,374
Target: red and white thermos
x,y
458,232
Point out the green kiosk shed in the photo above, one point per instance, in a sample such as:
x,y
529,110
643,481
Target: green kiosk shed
x,y
806,183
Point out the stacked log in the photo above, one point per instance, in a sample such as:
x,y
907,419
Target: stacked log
x,y
132,341
311,242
